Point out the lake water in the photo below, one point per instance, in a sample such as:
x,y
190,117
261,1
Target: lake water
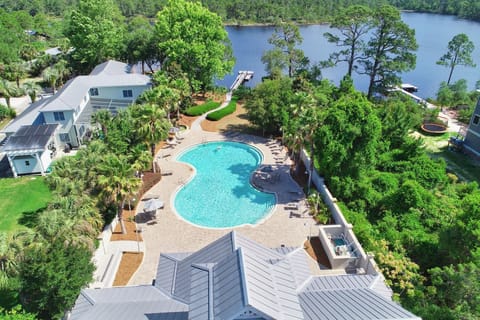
x,y
433,32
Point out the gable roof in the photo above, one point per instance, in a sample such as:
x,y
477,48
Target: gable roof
x,y
111,67
140,302
234,277
27,117
32,138
349,297
72,93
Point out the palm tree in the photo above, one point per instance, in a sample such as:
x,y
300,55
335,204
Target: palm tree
x,y
51,75
63,70
32,89
11,249
8,90
151,125
117,180
102,118
307,117
18,71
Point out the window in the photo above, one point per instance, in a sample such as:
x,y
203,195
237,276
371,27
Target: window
x,y
476,119
94,91
58,116
127,93
27,163
81,131
64,137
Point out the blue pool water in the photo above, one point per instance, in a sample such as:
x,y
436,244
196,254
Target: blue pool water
x,y
220,194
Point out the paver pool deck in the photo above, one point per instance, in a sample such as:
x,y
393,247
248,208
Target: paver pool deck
x,y
170,233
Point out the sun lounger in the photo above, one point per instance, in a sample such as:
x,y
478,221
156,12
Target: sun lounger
x,y
291,205
166,172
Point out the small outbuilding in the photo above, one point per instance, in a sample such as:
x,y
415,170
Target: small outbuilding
x,y
30,149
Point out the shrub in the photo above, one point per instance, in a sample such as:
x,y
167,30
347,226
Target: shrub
x,y
228,109
201,109
6,112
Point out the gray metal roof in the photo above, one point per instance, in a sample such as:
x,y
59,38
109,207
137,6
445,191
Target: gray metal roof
x,y
300,269
285,250
166,273
350,281
111,67
228,287
200,294
33,138
233,277
350,304
212,253
73,92
132,303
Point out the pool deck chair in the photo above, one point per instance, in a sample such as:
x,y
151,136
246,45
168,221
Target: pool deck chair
x,y
292,206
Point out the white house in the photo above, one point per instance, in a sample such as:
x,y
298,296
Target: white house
x,y
109,86
29,150
472,139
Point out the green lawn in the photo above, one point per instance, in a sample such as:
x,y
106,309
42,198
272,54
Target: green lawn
x,y
463,166
21,198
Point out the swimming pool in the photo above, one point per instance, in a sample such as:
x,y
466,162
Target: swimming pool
x,y
220,194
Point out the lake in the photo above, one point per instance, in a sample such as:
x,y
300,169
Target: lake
x,y
433,32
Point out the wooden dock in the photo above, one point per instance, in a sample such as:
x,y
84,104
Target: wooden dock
x,y
241,78
416,98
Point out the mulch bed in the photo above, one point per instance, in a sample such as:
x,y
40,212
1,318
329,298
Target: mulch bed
x,y
149,180
128,265
315,250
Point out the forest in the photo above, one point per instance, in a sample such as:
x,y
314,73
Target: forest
x,y
259,11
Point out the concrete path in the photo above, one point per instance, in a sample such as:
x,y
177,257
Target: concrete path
x,y
170,233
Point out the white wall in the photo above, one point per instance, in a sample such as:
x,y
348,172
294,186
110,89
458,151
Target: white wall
x,y
49,119
46,159
117,92
22,168
365,261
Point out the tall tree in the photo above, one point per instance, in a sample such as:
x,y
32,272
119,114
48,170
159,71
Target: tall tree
x,y
285,53
31,89
268,105
51,76
389,51
152,125
307,113
353,23
15,71
196,40
347,141
52,275
459,53
8,90
141,44
95,30
117,182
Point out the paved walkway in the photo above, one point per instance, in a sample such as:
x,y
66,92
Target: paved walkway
x,y
170,233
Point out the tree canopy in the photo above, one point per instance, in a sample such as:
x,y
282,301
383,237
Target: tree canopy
x,y
95,30
459,53
194,38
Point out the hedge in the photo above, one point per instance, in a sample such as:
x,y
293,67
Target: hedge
x,y
201,109
228,109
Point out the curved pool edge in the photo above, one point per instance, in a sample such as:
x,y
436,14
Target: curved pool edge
x,y
194,173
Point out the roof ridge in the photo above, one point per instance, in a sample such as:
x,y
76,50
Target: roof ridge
x,y
87,297
243,278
